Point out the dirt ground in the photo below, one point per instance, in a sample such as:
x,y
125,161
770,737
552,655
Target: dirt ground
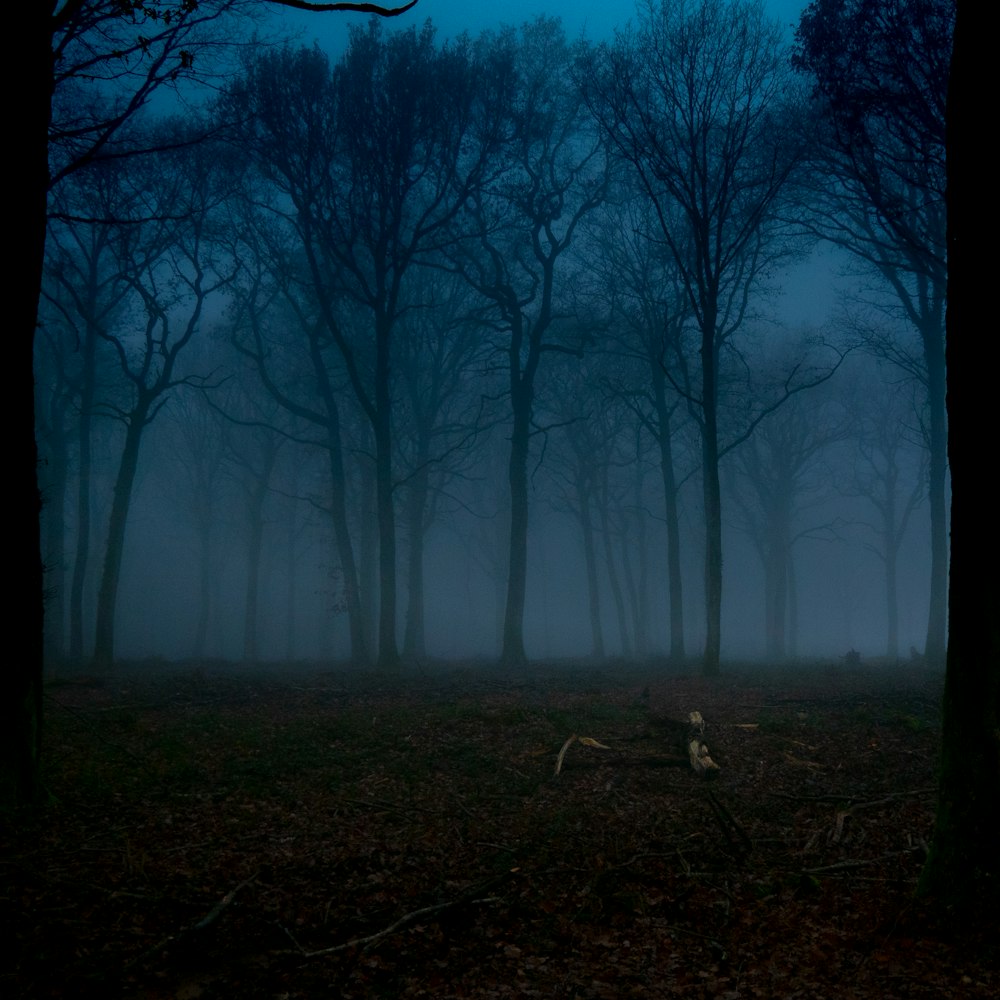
x,y
340,834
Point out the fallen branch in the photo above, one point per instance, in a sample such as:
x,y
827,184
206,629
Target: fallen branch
x,y
849,865
842,814
741,844
466,899
200,925
587,741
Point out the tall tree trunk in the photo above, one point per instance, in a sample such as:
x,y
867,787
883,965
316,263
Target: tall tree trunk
x,y
107,595
255,541
414,640
56,463
342,537
388,650
590,562
368,554
88,377
21,705
638,581
612,569
892,607
672,516
206,570
359,646
513,653
937,618
291,586
713,502
961,869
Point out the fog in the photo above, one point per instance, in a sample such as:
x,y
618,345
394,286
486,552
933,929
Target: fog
x,y
247,343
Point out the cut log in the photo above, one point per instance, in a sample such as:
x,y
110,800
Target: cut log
x,y
697,749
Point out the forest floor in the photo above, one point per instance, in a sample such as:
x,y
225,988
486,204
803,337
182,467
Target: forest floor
x,y
217,834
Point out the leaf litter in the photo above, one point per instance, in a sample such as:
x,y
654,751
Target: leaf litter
x,y
447,833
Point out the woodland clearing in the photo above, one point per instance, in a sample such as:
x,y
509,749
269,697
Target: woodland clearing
x,y
219,833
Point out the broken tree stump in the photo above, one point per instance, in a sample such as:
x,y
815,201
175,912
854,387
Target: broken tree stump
x,y
687,737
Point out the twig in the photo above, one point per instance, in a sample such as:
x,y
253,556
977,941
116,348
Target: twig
x,y
403,921
727,822
200,925
847,865
465,899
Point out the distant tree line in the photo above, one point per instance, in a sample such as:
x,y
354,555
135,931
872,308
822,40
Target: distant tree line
x,y
357,290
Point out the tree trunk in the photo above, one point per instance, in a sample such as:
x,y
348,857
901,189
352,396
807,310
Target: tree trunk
x,y
56,464
937,618
21,705
368,554
388,650
612,568
88,376
414,639
513,653
590,561
107,596
961,870
663,437
206,569
255,541
342,536
713,503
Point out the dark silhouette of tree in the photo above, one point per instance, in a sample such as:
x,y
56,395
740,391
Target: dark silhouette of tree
x,y
777,475
87,67
194,477
890,475
442,415
277,326
876,187
554,172
649,310
961,870
85,292
166,256
377,159
696,101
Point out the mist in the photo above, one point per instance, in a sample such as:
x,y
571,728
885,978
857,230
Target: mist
x,y
321,438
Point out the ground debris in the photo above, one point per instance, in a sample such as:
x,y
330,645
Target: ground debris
x,y
409,837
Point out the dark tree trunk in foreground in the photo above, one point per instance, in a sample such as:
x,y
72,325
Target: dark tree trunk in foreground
x,y
21,703
963,868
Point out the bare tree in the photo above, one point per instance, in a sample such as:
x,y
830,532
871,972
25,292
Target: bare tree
x,y
778,474
443,413
87,67
376,160
961,870
555,173
649,310
696,100
167,258
876,187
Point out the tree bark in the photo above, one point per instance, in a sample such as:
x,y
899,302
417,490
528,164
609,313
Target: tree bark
x,y
962,872
414,639
21,705
712,498
107,596
388,649
513,653
937,617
